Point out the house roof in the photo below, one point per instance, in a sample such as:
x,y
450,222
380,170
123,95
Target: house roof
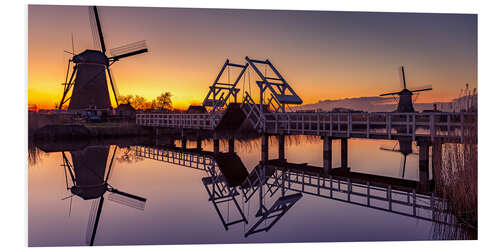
x,y
125,107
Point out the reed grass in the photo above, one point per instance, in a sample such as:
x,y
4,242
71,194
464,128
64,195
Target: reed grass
x,y
456,181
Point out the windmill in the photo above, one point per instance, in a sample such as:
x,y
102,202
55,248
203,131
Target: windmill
x,y
405,148
405,103
89,181
88,78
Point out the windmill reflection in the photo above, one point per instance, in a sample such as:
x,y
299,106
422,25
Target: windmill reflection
x,y
405,148
87,178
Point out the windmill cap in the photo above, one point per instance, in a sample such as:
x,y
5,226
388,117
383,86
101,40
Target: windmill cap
x,y
405,92
91,56
89,192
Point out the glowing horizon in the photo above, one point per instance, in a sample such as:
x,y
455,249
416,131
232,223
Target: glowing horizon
x,y
323,55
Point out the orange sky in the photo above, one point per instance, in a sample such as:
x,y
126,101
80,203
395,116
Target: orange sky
x,y
323,55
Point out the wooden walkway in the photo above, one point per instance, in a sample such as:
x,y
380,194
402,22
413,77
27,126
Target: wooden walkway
x,y
448,127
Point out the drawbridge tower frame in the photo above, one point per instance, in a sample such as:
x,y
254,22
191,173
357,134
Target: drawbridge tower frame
x,y
221,92
278,87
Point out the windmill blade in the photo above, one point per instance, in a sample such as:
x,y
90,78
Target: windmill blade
x,y
127,199
113,86
72,44
94,221
389,149
67,88
420,90
67,73
110,165
93,28
70,205
404,167
392,93
404,77
128,50
71,53
67,197
99,30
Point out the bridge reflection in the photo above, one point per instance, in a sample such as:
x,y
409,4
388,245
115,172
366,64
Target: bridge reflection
x,y
291,181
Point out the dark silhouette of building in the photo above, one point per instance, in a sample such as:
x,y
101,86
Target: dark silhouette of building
x,y
196,109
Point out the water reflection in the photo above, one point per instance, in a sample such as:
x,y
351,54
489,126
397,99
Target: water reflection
x,y
239,188
227,176
86,172
405,147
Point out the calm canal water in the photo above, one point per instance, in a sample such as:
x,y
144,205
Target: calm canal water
x,y
177,209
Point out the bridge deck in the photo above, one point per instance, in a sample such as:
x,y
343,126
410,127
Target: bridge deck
x,y
449,127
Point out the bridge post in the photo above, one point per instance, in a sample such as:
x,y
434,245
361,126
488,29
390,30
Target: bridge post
x,y
343,152
265,148
216,145
231,145
437,158
184,142
156,136
327,154
423,164
171,141
281,147
198,143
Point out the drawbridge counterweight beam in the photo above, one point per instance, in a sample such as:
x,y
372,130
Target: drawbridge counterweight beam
x,y
281,92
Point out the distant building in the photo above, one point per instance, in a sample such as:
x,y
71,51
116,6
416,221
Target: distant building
x,y
345,110
196,109
126,110
306,111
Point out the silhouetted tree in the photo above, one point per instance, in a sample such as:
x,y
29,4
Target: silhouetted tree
x,y
125,99
164,101
138,102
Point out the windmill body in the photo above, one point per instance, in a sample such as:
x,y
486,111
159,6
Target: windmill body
x,y
91,87
89,170
405,103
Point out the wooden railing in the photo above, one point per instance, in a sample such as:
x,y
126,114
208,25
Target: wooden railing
x,y
252,111
371,125
381,198
180,120
198,161
378,125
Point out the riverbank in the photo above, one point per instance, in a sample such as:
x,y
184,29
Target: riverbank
x,y
90,130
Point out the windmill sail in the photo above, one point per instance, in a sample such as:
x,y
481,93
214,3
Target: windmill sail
x,y
93,28
419,90
392,93
99,30
127,199
128,50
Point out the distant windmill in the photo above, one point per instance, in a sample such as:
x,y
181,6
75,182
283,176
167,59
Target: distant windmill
x,y
89,181
405,103
88,79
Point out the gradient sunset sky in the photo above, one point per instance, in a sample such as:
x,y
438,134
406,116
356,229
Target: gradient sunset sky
x,y
323,55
